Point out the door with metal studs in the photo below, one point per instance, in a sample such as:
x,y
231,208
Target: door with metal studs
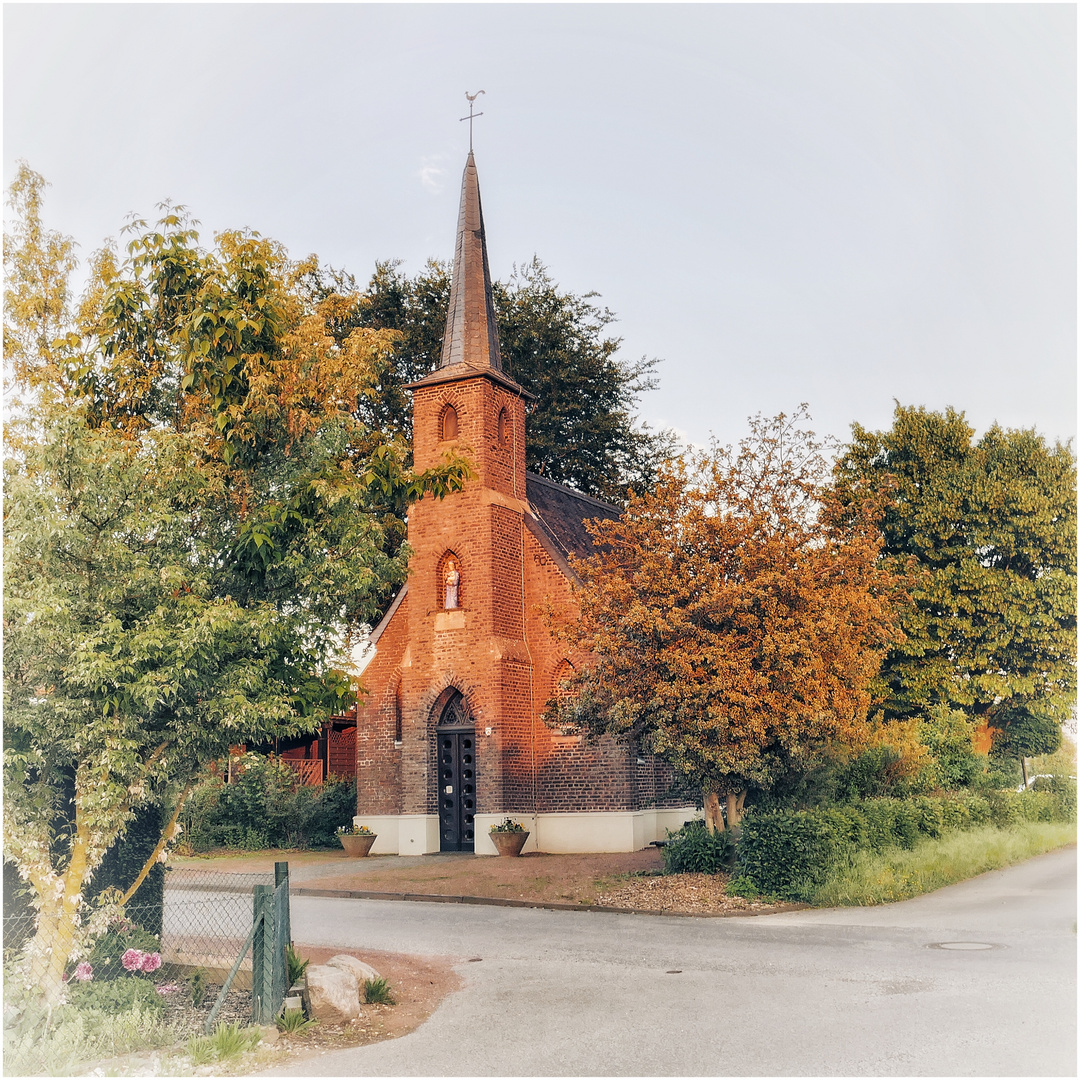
x,y
456,742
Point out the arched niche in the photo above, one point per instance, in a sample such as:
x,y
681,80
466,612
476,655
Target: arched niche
x,y
449,427
443,581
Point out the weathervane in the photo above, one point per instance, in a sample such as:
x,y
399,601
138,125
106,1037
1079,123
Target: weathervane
x,y
470,117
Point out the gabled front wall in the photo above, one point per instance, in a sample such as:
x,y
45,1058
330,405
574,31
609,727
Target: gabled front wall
x,y
498,651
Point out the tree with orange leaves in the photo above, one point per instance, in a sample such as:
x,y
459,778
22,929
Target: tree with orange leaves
x,y
735,618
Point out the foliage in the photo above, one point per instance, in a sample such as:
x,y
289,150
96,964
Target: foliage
x,y
786,854
694,850
105,957
265,807
226,1042
581,430
789,854
1020,732
193,520
992,525
197,983
883,877
508,825
292,1021
296,965
736,620
115,996
377,992
947,734
57,1044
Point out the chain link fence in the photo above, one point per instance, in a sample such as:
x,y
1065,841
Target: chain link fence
x,y
200,927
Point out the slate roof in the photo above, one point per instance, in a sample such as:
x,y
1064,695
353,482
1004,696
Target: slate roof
x,y
560,514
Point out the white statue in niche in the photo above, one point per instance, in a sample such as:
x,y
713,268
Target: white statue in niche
x,y
452,581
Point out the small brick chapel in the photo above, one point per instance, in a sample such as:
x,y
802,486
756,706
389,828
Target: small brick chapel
x,y
449,736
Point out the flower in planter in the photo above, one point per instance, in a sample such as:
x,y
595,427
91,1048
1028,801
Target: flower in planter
x,y
509,825
355,830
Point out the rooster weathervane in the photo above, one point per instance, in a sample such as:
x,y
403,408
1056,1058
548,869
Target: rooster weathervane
x,y
471,98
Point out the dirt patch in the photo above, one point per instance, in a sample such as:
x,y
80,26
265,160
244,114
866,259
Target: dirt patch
x,y
578,879
418,983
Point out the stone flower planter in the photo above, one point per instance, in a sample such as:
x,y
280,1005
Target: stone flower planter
x,y
509,843
356,845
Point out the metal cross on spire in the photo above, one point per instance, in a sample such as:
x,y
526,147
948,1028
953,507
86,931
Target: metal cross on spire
x,y
471,116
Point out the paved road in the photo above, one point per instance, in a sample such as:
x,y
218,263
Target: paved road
x,y
823,993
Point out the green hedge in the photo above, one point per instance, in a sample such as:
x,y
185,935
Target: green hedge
x,y
788,853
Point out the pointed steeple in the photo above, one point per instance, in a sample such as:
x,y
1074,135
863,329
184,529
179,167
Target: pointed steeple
x,y
471,334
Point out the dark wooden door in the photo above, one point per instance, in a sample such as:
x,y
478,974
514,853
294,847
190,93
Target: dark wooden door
x,y
457,789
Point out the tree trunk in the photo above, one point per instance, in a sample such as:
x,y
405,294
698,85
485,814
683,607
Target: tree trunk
x,y
734,802
714,819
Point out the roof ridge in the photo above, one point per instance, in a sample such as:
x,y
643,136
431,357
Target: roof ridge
x,y
572,491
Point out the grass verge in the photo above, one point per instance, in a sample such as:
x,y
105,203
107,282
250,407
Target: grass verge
x,y
896,874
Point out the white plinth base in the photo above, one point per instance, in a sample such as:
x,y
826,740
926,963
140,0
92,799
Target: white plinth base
x,y
564,833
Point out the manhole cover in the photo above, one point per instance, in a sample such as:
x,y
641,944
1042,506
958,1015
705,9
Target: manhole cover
x,y
964,946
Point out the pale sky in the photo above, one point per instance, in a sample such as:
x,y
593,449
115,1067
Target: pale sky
x,y
841,205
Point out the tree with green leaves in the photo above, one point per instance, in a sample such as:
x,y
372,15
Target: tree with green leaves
x,y
194,519
581,430
991,525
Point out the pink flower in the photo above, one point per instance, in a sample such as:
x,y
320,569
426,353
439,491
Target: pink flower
x,y
151,961
167,988
132,960
84,972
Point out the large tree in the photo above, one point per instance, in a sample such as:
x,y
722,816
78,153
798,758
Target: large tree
x,y
581,430
193,520
991,523
735,620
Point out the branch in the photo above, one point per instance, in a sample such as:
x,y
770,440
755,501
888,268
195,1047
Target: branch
x,y
166,835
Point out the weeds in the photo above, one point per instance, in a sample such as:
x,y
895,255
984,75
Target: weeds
x,y
296,965
73,1037
898,874
197,984
377,992
293,1020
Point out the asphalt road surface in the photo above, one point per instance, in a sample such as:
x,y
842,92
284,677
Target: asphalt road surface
x,y
842,992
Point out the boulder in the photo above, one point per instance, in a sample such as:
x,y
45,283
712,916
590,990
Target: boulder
x,y
362,971
333,994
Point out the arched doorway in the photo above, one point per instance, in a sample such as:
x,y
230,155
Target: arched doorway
x,y
455,740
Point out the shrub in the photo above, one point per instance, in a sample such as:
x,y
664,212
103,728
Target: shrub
x,y
692,850
115,996
787,854
265,807
108,950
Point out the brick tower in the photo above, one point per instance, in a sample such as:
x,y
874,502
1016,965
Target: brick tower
x,y
449,737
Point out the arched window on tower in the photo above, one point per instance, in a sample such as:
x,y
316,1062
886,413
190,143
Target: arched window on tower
x,y
397,714
504,427
449,423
